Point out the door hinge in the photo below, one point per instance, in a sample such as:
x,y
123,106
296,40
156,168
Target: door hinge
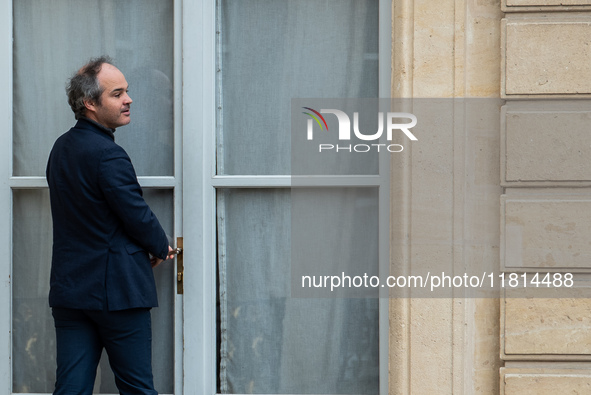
x,y
180,269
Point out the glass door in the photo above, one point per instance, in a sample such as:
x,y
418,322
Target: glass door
x,y
245,63
51,40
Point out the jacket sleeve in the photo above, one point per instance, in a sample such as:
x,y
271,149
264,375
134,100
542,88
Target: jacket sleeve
x,y
123,193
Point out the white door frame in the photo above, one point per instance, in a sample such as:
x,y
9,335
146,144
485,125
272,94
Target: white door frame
x,y
198,21
6,196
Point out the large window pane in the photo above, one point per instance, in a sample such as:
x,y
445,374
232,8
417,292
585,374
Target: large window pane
x,y
52,39
33,337
33,334
269,341
272,51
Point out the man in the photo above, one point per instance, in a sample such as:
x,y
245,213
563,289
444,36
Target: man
x,y
102,284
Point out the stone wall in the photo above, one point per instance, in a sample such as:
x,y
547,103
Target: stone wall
x,y
546,53
507,188
446,196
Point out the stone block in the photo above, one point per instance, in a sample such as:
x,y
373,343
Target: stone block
x,y
546,56
546,328
516,3
546,232
546,144
546,381
545,5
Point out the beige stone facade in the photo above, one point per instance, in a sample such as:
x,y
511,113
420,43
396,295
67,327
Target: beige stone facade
x,y
508,189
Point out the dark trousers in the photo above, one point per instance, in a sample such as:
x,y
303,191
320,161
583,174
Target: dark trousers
x,y
81,336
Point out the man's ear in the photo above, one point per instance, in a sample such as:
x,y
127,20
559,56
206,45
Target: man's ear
x,y
90,105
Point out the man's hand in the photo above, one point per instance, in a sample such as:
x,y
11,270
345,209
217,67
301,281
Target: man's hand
x,y
170,253
157,261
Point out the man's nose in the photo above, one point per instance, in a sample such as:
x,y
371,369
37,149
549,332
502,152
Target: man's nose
x,y
128,99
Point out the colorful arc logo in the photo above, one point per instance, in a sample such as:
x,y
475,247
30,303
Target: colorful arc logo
x,y
316,118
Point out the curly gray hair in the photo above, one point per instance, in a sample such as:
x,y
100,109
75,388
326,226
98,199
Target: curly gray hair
x,y
84,85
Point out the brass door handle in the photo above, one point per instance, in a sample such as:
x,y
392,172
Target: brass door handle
x,y
180,268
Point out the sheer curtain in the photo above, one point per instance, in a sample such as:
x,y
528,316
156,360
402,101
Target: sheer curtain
x,y
52,39
272,51
274,343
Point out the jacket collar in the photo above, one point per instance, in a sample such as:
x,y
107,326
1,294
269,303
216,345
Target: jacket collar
x,y
86,123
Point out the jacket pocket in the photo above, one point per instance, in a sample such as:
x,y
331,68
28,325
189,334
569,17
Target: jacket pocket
x,y
133,248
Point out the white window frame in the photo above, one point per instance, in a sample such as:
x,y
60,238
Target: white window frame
x,y
201,182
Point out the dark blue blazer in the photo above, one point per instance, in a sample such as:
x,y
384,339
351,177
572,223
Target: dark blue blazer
x,y
103,229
